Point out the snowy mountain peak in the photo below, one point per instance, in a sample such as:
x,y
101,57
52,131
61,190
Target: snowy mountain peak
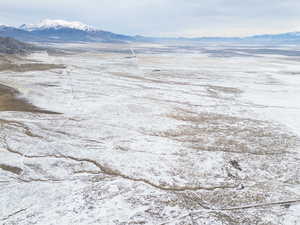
x,y
57,24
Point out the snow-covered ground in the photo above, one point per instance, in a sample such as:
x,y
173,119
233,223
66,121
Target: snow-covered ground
x,y
175,135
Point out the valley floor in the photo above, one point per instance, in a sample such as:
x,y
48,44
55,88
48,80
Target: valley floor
x,y
151,134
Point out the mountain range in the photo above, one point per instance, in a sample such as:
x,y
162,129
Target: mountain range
x,y
65,31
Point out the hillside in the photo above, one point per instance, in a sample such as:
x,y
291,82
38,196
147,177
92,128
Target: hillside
x,y
12,46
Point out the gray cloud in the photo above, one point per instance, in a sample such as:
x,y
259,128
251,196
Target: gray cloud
x,y
163,17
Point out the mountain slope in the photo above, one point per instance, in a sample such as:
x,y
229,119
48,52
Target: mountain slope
x,y
12,46
65,31
7,31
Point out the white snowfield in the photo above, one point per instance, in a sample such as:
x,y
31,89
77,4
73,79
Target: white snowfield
x,y
177,135
57,24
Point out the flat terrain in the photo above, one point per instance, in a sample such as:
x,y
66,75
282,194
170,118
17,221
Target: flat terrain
x,y
151,134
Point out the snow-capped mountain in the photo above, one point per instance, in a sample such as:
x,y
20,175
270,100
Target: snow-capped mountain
x,y
61,31
57,24
65,31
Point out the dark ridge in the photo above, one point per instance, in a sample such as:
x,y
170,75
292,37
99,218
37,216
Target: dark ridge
x,y
12,169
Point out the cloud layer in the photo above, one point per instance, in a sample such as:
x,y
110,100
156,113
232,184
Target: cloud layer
x,y
163,17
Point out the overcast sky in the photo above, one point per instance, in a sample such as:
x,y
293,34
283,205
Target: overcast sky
x,y
163,17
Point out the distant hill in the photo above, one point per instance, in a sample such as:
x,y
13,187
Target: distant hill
x,y
291,37
12,46
287,38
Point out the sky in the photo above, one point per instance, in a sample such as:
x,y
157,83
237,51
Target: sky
x,y
162,18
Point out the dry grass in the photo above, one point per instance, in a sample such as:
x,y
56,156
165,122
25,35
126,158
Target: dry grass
x,y
227,90
218,132
16,63
25,67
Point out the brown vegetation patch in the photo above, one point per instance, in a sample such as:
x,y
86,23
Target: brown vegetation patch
x,y
25,67
12,169
227,90
219,132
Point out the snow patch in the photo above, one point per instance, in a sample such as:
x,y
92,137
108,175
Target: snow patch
x,y
57,24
